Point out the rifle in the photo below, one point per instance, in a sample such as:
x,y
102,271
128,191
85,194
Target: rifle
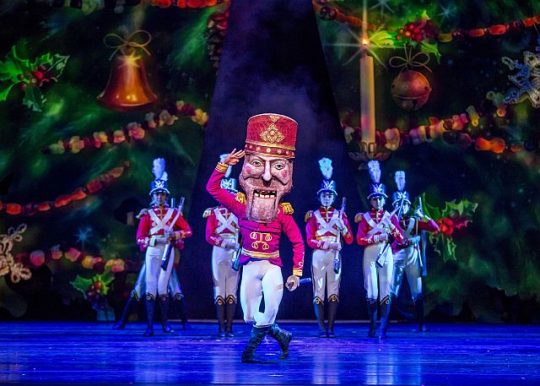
x,y
170,244
235,263
382,253
337,256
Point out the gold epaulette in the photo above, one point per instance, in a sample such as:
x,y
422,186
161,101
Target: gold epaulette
x,y
358,217
286,207
308,215
207,212
241,197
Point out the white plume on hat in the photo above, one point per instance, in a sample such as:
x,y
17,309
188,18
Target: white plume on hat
x,y
399,178
325,164
158,169
374,169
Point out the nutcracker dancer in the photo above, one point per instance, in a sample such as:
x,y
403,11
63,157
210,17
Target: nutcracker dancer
x,y
326,227
159,227
266,177
375,230
408,258
222,233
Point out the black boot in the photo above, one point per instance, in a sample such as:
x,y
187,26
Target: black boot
x,y
386,304
230,309
283,337
333,302
419,307
220,314
257,335
125,314
150,305
372,313
319,314
179,303
164,309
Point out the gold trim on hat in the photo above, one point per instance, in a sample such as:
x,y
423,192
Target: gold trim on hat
x,y
272,134
266,144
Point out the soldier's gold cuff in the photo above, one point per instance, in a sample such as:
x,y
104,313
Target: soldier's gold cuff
x,y
221,167
297,272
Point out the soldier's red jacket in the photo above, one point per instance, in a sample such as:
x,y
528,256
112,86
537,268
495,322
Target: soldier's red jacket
x,y
367,236
214,235
153,223
260,241
317,233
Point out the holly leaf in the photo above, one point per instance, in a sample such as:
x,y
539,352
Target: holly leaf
x,y
430,211
55,64
382,39
463,208
33,99
81,284
431,49
443,245
5,88
13,66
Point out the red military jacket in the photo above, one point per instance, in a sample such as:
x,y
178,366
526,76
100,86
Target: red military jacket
x,y
154,222
260,241
321,227
220,222
374,223
412,226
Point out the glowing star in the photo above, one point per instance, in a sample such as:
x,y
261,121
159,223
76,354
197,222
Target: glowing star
x,y
527,78
382,4
83,235
448,11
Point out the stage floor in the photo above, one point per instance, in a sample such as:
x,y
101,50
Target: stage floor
x,y
93,353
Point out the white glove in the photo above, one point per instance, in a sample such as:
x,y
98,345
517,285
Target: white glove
x,y
334,246
292,282
380,238
414,240
229,244
340,224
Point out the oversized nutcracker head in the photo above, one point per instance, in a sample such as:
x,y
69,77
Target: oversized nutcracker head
x,y
158,188
327,193
377,191
401,200
266,174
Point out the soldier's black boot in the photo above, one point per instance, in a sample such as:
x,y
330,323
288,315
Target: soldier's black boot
x,y
121,323
179,303
164,310
150,305
230,310
372,313
333,302
386,305
256,337
283,338
220,314
318,305
419,307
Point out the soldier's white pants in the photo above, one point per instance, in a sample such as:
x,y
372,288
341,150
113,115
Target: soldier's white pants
x,y
157,279
377,278
225,278
407,261
322,270
260,277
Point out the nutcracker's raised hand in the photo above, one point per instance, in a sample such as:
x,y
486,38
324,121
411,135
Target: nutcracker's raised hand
x,y
234,157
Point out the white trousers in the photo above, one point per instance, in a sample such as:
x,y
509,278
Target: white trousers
x,y
407,261
324,277
224,277
260,277
157,279
377,279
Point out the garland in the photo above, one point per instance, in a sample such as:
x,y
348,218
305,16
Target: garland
x,y
89,6
133,131
327,12
92,187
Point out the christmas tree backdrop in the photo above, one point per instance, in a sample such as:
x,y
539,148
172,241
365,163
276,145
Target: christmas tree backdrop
x,y
456,106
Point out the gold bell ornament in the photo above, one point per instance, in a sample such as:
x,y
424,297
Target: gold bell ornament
x,y
127,88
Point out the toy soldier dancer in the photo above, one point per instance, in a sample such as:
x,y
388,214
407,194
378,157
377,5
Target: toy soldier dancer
x,y
265,177
325,228
407,256
375,229
222,232
158,227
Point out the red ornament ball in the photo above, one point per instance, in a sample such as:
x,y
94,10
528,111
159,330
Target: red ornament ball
x,y
410,90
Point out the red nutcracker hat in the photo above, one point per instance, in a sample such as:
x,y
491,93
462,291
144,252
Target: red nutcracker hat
x,y
271,134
